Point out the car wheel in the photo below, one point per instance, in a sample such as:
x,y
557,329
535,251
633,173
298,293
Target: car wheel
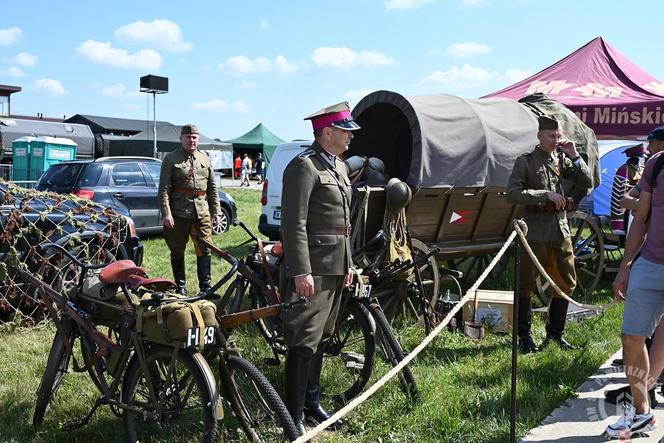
x,y
224,223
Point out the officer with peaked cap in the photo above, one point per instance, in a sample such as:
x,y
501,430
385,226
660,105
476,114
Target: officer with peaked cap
x,y
315,228
539,181
189,201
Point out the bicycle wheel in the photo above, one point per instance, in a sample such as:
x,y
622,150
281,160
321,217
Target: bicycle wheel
x,y
401,307
269,327
186,397
256,404
349,354
56,368
393,352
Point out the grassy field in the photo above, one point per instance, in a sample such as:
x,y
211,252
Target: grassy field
x,y
465,384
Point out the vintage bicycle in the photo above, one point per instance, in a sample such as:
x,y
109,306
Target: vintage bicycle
x,y
162,387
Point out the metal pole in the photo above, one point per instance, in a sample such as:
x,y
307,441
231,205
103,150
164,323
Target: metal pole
x,y
515,322
154,122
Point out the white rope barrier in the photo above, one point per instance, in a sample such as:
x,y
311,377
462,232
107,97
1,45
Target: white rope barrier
x,y
384,379
354,403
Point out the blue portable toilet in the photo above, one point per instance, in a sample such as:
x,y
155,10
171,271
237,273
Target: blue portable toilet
x,y
34,155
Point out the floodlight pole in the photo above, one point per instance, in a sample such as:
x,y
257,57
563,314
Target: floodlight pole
x,y
154,122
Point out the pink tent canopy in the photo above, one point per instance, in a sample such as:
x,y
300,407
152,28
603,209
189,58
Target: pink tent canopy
x,y
604,88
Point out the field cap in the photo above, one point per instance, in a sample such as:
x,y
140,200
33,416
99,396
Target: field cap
x,y
337,115
635,150
655,134
189,128
547,123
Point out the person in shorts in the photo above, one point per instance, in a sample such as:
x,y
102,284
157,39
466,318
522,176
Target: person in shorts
x,y
640,282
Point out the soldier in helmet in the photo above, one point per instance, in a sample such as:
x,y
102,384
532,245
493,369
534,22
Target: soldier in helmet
x,y
189,202
539,181
315,228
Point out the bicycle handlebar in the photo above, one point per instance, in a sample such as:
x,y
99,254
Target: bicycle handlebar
x,y
377,278
84,266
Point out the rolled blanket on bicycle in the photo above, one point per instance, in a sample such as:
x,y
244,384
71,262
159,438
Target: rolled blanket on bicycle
x,y
170,321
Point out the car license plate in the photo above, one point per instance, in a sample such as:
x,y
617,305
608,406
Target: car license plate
x,y
277,214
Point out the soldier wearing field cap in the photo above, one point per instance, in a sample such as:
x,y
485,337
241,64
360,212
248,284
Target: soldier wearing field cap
x,y
315,229
540,181
189,202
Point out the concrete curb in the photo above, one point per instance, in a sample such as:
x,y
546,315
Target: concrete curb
x,y
583,419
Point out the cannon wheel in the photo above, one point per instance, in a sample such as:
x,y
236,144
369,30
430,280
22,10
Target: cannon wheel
x,y
588,241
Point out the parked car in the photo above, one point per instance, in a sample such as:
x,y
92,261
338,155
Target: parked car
x,y
270,218
127,184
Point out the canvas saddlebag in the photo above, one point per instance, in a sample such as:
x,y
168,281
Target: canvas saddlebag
x,y
171,322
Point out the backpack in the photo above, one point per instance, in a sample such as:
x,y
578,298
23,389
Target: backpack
x,y
659,165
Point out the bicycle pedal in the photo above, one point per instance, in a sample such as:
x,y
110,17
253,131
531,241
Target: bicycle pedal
x,y
75,424
272,361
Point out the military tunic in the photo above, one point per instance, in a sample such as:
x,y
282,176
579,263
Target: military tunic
x,y
315,202
548,231
187,192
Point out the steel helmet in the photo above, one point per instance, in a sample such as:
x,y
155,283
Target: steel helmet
x,y
397,194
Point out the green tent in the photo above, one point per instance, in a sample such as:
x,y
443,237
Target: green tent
x,y
259,139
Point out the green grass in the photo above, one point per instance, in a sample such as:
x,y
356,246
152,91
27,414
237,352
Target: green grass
x,y
465,385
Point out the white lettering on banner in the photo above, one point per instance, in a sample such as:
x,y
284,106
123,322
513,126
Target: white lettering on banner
x,y
654,86
608,115
550,87
599,90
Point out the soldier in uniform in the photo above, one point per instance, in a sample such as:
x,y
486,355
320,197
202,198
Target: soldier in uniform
x,y
315,228
189,201
540,180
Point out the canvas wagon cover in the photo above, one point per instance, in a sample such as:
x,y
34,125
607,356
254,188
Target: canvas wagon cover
x,y
442,140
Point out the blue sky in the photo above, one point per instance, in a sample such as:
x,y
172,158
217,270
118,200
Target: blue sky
x,y
234,64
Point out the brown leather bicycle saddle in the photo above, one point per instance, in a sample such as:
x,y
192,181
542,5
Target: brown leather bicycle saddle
x,y
126,271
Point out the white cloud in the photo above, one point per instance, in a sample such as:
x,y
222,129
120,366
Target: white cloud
x,y
345,58
284,66
246,85
158,33
49,86
467,77
10,36
406,4
104,54
358,94
213,105
263,24
12,71
467,49
21,59
240,106
241,65
458,77
514,75
119,90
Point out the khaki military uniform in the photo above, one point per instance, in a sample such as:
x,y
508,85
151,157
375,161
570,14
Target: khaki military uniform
x,y
548,230
188,192
315,208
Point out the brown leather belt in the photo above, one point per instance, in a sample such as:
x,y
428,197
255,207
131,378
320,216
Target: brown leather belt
x,y
192,192
329,230
541,209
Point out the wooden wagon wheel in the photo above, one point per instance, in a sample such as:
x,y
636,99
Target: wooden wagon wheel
x,y
472,267
396,299
588,241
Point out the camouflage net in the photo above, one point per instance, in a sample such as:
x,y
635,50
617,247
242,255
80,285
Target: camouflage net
x,y
91,232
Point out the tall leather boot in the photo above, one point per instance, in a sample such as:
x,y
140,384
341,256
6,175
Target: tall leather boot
x,y
555,326
298,363
179,275
204,272
313,411
526,342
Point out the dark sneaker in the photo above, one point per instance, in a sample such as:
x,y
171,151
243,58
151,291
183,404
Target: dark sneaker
x,y
624,394
631,423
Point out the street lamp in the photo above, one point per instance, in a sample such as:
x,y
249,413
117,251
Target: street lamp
x,y
152,84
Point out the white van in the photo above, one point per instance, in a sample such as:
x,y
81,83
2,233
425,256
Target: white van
x,y
270,219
